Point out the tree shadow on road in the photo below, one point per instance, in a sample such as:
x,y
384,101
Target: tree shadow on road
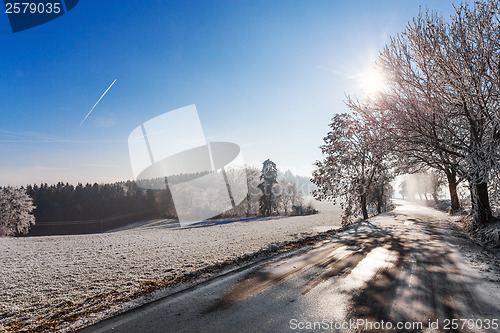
x,y
424,285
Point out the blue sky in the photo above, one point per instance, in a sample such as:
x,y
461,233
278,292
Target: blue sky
x,y
268,75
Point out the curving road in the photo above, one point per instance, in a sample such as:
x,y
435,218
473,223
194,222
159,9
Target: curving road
x,y
403,271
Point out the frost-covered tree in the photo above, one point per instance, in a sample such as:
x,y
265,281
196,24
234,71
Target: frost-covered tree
x,y
303,183
380,189
436,181
268,177
287,195
413,137
442,97
353,167
16,208
254,193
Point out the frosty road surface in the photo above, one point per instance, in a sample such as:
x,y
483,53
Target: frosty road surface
x,y
405,266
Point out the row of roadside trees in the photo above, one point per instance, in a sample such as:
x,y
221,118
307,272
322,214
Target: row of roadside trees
x,y
439,110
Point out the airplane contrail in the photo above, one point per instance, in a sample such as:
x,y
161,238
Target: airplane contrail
x,y
97,102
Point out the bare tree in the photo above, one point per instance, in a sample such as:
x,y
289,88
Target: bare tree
x,y
287,195
435,183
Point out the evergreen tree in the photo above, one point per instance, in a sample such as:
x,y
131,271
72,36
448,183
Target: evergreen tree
x,y
267,200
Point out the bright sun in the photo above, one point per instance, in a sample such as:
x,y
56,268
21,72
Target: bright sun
x,y
372,82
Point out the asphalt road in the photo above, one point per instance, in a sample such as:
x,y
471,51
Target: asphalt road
x,y
400,272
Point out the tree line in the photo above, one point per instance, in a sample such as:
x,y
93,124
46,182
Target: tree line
x,y
63,202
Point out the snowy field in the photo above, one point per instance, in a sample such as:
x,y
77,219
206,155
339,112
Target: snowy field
x,y
44,279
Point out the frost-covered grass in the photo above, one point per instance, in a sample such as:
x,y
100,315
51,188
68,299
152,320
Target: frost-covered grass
x,y
46,281
486,235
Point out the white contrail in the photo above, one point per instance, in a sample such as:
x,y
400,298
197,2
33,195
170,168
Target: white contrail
x,y
97,102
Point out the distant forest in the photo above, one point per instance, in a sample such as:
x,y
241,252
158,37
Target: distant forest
x,y
65,202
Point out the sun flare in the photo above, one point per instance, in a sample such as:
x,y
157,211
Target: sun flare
x,y
372,82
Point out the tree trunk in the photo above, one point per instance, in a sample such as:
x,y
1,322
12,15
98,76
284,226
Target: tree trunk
x,y
249,206
380,199
363,206
451,175
481,209
382,204
435,196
